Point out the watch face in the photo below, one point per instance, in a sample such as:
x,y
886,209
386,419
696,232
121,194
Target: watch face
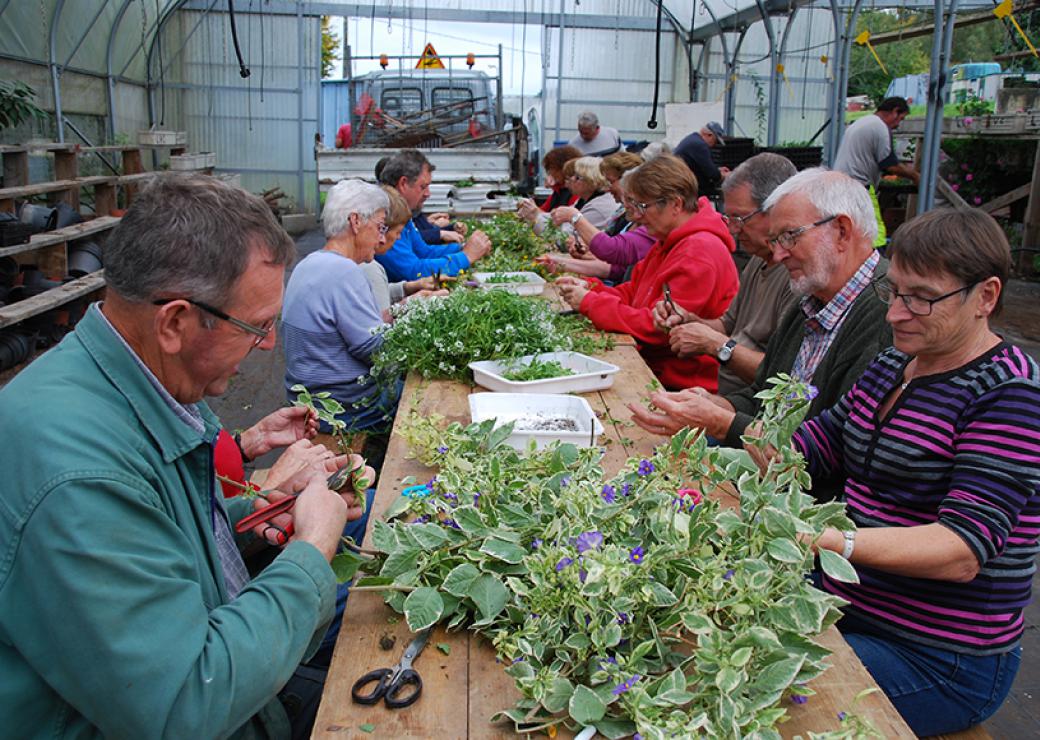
x,y
726,351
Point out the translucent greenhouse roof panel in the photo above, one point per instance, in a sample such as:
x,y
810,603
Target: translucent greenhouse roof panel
x,y
85,35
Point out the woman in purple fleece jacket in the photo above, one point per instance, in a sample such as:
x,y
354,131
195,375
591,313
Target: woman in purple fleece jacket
x,y
604,254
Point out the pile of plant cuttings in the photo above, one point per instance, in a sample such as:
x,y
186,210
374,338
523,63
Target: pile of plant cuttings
x,y
635,604
439,337
514,245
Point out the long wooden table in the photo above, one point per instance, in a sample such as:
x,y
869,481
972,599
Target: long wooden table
x,y
463,684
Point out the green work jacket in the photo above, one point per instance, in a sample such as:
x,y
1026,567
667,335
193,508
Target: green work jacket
x,y
114,617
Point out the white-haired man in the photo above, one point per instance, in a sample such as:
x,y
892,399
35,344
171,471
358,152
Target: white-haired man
x,y
822,228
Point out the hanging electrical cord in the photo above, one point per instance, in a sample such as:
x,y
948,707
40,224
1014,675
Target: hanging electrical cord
x,y
652,123
162,74
263,55
243,70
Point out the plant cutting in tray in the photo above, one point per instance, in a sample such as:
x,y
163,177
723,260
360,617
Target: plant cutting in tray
x,y
506,278
536,370
635,604
440,336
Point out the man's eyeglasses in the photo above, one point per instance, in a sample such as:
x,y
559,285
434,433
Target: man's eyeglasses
x,y
640,208
575,176
916,305
259,332
737,223
787,239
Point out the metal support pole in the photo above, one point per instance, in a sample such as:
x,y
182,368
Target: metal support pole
x,y
842,69
111,84
780,60
730,104
498,92
52,59
774,99
937,84
731,65
833,109
559,71
299,95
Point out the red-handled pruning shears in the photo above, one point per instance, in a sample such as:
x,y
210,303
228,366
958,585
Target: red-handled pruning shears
x,y
335,482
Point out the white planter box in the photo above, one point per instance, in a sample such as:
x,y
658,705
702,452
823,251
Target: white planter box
x,y
524,408
590,374
527,283
162,138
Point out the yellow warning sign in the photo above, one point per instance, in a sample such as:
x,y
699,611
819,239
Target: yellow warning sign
x,y
429,59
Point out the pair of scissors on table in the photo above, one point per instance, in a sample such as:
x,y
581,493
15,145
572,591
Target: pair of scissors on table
x,y
390,682
335,482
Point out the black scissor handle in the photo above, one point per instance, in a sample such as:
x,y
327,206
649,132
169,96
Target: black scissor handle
x,y
393,697
381,677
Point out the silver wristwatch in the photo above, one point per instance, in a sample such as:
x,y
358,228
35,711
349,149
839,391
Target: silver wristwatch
x,y
726,351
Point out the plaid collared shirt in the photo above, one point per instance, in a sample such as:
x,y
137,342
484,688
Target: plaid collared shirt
x,y
822,322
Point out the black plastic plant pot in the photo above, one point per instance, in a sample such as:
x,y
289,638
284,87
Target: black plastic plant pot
x,y
8,271
84,258
39,218
14,349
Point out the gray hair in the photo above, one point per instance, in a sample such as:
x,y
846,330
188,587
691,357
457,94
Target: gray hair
x,y
588,118
762,173
831,194
655,149
191,236
347,197
407,163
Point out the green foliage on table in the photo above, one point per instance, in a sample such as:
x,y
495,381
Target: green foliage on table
x,y
514,245
634,603
438,337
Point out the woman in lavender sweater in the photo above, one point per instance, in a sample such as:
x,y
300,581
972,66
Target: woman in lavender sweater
x,y
939,446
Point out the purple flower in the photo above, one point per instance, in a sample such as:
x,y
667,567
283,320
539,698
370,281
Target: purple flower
x,y
622,618
977,200
608,494
589,541
728,574
635,555
645,467
421,519
623,687
582,575
564,562
431,482
969,177
799,699
442,449
841,716
451,523
965,165
476,498
517,660
565,481
451,497
637,736
536,543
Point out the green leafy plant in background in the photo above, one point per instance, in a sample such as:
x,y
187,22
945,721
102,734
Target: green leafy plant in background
x,y
636,603
439,337
17,104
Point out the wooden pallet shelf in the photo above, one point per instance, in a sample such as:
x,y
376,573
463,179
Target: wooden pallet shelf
x,y
62,236
70,291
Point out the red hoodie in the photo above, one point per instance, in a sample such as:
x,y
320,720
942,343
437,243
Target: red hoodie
x,y
695,261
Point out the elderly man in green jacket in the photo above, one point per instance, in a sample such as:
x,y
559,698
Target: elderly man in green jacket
x,y
125,607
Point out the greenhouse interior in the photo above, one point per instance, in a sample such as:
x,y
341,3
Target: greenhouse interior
x,y
594,360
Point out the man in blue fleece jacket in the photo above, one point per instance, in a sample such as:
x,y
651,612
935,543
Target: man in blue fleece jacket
x,y
411,257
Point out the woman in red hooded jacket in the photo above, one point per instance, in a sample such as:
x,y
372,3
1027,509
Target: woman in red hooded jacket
x,y
692,256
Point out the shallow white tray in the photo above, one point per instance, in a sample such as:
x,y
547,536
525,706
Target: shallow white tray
x,y
507,407
530,283
590,374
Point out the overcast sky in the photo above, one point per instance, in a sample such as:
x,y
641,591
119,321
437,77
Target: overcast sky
x,y
408,38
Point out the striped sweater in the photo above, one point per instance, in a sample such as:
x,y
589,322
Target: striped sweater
x,y
960,448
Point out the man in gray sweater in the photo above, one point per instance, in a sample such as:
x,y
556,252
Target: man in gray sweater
x,y
822,227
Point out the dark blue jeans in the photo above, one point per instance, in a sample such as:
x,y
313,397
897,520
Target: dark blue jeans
x,y
936,691
356,531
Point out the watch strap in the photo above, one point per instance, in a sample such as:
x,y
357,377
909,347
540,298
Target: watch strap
x,y
850,543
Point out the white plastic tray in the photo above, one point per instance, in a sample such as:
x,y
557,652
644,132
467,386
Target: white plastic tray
x,y
531,283
507,407
590,374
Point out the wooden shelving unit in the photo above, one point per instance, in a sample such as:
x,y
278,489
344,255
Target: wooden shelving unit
x,y
49,251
